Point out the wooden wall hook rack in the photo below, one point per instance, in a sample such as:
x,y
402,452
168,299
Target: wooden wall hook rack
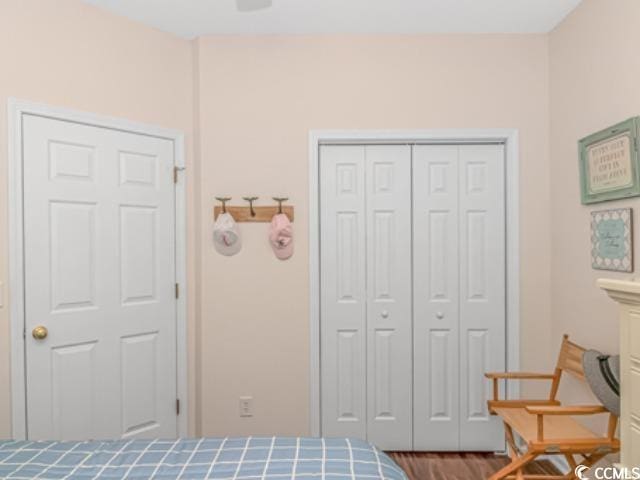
x,y
263,214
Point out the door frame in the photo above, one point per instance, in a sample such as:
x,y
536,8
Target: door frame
x,y
16,109
508,137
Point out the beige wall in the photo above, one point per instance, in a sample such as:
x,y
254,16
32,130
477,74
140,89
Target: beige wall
x,y
594,72
259,97
67,54
247,104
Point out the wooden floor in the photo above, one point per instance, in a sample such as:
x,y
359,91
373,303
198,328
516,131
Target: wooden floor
x,y
458,466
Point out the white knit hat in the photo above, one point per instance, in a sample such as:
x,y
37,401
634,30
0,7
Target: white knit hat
x,y
226,237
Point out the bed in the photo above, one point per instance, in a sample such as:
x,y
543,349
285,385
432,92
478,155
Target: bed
x,y
274,458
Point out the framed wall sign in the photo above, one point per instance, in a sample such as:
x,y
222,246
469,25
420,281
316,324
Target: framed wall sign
x,y
611,240
609,163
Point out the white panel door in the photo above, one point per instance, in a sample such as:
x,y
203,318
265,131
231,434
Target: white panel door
x,y
343,291
459,294
389,356
482,291
435,297
366,358
99,275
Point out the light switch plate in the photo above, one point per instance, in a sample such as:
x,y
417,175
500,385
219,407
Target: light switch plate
x,y
1,295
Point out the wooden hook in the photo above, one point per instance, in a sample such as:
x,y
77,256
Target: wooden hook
x,y
251,200
280,200
224,201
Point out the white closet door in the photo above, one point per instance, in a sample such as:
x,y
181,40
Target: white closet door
x,y
389,356
366,358
343,291
459,294
482,291
398,381
435,297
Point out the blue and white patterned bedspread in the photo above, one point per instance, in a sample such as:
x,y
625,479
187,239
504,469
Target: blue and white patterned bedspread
x,y
276,458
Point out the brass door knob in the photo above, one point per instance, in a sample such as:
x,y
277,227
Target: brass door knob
x,y
40,332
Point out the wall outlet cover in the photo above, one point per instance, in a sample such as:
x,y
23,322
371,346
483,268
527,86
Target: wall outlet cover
x,y
246,406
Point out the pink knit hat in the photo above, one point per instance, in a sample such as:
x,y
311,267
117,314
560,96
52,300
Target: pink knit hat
x,y
281,236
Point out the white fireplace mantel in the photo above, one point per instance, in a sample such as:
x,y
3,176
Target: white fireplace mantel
x,y
623,291
627,294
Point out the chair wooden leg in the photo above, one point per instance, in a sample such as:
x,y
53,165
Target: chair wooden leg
x,y
516,464
514,451
511,442
572,467
588,461
571,461
592,459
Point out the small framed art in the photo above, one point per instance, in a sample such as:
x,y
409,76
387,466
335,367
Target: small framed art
x,y
611,240
609,163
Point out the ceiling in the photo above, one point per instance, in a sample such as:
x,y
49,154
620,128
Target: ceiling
x,y
191,18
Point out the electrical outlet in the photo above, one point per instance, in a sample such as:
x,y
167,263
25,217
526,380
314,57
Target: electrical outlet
x,y
246,406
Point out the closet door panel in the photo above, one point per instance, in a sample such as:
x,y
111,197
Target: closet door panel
x,y
412,293
389,358
343,291
482,290
435,297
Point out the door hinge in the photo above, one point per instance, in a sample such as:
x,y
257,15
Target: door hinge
x,y
177,290
176,170
177,406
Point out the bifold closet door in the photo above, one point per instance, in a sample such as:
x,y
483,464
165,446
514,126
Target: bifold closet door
x,y
436,352
343,309
482,247
459,294
366,357
389,332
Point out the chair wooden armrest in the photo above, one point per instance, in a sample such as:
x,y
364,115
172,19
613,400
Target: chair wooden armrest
x,y
520,375
541,411
497,376
569,410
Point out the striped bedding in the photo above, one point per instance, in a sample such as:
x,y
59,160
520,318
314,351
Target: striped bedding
x,y
251,458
